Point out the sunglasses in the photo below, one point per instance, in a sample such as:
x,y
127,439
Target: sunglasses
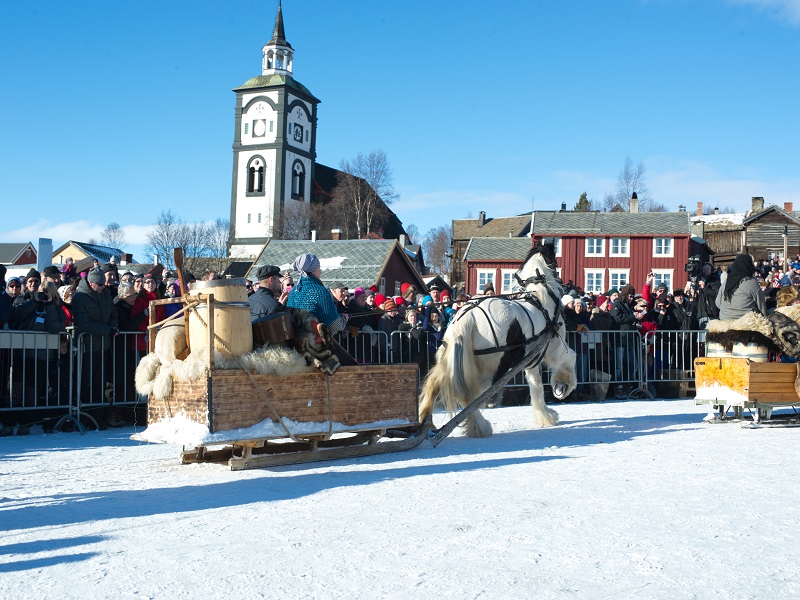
x,y
13,285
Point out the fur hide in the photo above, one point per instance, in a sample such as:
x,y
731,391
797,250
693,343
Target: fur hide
x,y
752,328
155,378
780,332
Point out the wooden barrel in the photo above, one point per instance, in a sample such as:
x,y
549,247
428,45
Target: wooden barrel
x,y
754,352
716,350
233,334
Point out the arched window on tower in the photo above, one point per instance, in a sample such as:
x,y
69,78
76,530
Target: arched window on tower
x,y
298,180
270,59
279,61
255,176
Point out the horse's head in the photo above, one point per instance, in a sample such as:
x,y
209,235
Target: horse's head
x,y
540,268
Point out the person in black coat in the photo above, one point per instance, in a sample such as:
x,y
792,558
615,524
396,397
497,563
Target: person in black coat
x,y
96,324
264,301
625,344
705,304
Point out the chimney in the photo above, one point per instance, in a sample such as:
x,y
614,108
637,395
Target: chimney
x,y
563,207
336,234
402,239
699,209
313,235
155,259
481,219
787,206
633,206
681,208
716,210
758,204
125,259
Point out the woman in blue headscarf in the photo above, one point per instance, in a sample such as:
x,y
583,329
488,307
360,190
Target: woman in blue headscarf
x,y
310,294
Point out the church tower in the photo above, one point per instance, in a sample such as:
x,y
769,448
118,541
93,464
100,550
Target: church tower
x,y
274,148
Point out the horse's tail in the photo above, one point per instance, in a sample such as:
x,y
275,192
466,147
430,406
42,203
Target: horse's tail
x,y
452,379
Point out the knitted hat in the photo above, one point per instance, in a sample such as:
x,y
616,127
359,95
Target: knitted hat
x,y
426,300
33,273
566,299
96,276
389,305
627,289
379,299
62,291
400,301
600,300
611,292
359,291
445,294
405,287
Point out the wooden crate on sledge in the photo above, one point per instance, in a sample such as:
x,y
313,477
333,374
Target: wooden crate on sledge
x,y
742,382
228,399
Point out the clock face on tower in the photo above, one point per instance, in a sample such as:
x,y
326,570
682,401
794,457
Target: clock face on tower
x,y
298,132
259,127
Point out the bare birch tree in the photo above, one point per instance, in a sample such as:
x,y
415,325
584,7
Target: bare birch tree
x,y
165,235
436,246
113,236
631,179
296,219
365,186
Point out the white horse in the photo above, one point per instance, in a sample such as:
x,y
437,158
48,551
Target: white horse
x,y
492,335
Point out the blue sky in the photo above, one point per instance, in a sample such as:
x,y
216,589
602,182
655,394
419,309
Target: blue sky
x,y
112,112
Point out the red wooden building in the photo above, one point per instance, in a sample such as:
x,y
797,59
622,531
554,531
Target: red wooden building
x,y
594,250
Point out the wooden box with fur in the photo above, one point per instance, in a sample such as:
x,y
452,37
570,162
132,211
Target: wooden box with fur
x,y
742,382
229,399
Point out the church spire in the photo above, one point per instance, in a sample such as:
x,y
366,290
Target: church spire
x,y
277,53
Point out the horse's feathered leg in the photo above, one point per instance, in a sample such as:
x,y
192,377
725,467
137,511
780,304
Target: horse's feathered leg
x,y
454,380
543,415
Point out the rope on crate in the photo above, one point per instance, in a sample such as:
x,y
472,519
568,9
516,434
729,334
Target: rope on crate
x,y
259,390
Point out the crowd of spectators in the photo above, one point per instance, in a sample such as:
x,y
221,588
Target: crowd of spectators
x,y
103,301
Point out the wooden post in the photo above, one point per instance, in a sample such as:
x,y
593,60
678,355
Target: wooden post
x,y
151,332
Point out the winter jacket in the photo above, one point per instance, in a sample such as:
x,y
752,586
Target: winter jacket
x,y
95,315
263,303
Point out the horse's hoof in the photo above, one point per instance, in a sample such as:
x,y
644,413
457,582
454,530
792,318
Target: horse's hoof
x,y
560,391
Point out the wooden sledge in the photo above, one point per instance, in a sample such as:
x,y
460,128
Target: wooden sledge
x,y
740,383
358,411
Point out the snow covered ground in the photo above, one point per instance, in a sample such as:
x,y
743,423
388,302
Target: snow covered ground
x,y
631,499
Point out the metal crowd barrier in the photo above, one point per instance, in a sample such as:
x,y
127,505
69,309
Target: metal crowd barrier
x,y
61,376
64,374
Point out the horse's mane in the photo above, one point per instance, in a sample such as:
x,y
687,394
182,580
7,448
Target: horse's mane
x,y
548,252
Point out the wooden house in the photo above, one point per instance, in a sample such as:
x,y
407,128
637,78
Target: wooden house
x,y
768,231
465,230
18,254
383,263
601,250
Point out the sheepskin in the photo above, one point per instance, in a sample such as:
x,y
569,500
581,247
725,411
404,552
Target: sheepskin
x,y
156,378
170,342
752,328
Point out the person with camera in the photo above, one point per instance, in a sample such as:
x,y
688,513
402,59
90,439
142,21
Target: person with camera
x,y
706,288
35,370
